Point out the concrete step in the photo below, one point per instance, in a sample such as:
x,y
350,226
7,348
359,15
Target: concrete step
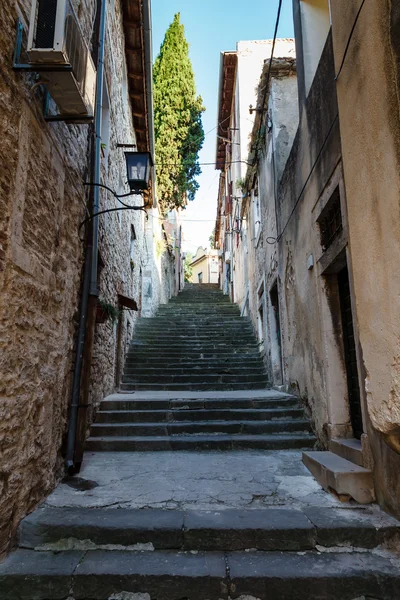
x,y
173,575
343,477
246,406
350,449
272,529
106,429
285,441
185,387
203,415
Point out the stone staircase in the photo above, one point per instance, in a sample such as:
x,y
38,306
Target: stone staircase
x,y
270,554
94,547
197,342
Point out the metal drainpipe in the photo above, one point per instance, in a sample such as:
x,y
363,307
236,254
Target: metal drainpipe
x,y
90,272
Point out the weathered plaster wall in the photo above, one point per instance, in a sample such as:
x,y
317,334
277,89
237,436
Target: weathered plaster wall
x,y
306,316
262,254
368,97
251,56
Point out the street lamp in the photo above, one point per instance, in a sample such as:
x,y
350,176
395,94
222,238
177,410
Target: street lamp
x,y
138,167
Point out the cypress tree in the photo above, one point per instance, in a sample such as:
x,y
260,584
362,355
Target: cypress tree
x,y
177,120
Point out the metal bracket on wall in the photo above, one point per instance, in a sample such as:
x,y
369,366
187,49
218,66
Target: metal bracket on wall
x,y
44,68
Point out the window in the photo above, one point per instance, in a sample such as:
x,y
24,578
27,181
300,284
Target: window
x,y
330,221
256,213
200,277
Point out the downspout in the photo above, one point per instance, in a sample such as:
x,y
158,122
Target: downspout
x,y
91,256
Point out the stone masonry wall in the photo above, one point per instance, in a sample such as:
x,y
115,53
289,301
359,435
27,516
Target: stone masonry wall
x,y
42,203
41,206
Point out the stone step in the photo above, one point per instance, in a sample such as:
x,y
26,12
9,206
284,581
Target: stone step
x,y
350,449
272,529
277,441
245,406
159,371
188,355
234,364
259,427
204,415
202,345
191,324
340,475
194,311
193,378
179,335
196,387
173,575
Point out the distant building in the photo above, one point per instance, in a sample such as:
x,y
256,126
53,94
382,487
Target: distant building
x,y
205,266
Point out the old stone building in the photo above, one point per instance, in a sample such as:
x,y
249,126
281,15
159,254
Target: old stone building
x,y
314,230
51,247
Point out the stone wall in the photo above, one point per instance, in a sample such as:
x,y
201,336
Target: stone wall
x,y
42,203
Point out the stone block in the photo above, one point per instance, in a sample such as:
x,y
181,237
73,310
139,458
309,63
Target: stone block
x,y
336,474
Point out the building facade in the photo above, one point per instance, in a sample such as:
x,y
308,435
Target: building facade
x,y
204,266
318,228
56,360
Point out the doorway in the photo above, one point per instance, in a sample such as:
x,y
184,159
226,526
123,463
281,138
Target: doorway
x,y
275,332
350,358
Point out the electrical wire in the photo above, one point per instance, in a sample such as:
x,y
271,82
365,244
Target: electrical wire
x,y
279,237
278,16
349,40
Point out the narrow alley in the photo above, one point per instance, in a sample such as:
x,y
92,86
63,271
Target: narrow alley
x,y
198,494
199,300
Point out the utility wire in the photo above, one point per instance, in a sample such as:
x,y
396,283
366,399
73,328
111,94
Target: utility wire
x,y
278,16
273,241
349,40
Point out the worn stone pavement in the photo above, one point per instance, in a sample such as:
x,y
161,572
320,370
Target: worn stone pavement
x,y
193,480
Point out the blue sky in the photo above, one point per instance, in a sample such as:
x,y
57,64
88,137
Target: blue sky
x,y
212,26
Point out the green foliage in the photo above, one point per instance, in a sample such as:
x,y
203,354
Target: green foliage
x,y
110,312
211,239
241,184
188,270
177,120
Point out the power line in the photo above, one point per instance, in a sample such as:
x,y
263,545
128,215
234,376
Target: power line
x,y
349,40
278,16
273,241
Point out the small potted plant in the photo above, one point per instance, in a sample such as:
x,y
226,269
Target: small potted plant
x,y
106,312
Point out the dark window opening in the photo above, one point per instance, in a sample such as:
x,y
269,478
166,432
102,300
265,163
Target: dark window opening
x,y
330,222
